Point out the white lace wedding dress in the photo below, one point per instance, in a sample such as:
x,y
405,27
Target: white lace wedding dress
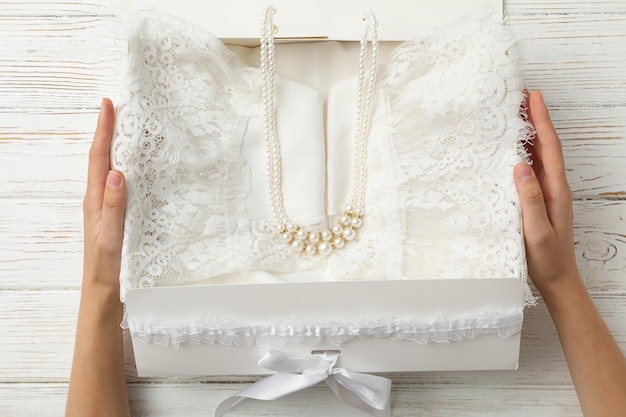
x,y
447,128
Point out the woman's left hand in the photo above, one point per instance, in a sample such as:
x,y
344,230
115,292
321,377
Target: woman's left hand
x,y
103,209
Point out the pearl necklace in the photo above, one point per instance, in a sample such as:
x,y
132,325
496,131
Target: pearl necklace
x,y
302,240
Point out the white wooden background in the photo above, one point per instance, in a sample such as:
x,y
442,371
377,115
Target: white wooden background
x,y
55,66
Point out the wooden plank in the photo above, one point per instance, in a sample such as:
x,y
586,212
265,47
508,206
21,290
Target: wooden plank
x,y
564,6
594,141
72,8
575,59
41,243
437,400
43,8
594,145
600,239
200,400
571,57
45,155
49,63
81,8
38,335
37,330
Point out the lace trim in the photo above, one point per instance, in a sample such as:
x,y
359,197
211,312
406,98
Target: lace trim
x,y
211,330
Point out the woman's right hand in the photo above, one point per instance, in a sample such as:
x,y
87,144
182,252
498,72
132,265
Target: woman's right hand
x,y
595,361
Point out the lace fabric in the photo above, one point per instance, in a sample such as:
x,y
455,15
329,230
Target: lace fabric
x,y
211,330
446,131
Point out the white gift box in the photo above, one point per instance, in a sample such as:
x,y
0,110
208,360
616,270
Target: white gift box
x,y
418,301
377,326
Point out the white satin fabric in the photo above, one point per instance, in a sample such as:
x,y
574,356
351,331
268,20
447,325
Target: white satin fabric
x,y
368,393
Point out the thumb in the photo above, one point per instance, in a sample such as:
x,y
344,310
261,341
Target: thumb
x,y
113,208
534,215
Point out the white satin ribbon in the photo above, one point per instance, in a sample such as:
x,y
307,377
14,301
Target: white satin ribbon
x,y
368,393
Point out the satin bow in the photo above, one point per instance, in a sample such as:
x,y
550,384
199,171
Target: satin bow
x,y
368,393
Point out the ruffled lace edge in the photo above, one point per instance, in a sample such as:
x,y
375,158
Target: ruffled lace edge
x,y
277,332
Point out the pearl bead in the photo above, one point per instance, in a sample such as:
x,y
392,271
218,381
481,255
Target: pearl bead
x,y
356,222
349,208
314,237
327,235
291,227
325,249
301,234
297,245
337,230
345,220
349,234
310,250
339,242
286,236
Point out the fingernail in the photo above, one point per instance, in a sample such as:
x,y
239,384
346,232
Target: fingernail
x,y
114,180
523,171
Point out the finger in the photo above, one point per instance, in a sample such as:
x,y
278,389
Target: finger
x,y
547,147
99,164
112,223
534,215
549,154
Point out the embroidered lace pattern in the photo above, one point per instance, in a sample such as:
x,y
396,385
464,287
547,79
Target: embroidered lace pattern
x,y
445,135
